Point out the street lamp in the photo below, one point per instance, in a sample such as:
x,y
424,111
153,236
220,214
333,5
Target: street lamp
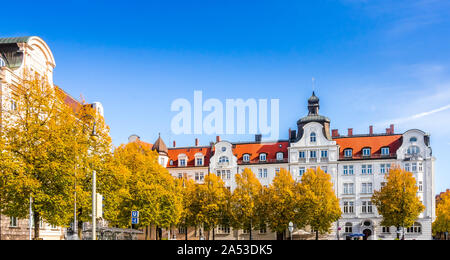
x,y
94,136
291,229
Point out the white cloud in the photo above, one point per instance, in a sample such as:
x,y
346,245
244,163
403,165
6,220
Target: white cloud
x,y
420,115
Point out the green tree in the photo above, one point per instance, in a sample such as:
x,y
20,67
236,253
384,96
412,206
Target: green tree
x,y
318,205
397,201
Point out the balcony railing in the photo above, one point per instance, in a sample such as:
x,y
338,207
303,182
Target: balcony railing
x,y
257,161
368,157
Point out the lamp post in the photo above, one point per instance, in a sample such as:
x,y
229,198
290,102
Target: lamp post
x,y
94,185
291,229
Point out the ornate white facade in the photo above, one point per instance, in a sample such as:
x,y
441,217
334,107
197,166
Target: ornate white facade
x,y
357,164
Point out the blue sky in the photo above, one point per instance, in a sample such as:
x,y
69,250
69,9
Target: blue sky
x,y
375,62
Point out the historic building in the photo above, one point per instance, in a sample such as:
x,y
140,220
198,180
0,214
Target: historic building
x,y
18,56
356,163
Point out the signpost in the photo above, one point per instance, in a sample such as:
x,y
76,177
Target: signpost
x,y
134,217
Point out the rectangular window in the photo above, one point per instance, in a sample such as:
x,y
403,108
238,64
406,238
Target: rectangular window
x,y
265,173
348,188
385,230
13,222
197,176
199,161
348,207
228,174
420,167
301,171
383,168
363,169
260,173
385,151
420,186
407,167
366,152
366,207
348,153
224,229
301,154
202,176
350,170
182,162
313,154
263,230
324,154
277,170
414,167
345,170
369,169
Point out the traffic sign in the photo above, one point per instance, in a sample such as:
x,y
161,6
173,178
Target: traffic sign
x,y
135,214
134,221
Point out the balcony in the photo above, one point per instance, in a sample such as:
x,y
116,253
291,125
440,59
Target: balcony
x,y
257,161
368,157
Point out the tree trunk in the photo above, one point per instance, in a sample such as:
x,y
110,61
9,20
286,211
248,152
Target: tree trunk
x,y
214,235
398,232
250,231
36,225
80,230
317,234
186,233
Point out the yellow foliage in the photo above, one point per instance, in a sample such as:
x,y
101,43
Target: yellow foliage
x,y
442,222
397,201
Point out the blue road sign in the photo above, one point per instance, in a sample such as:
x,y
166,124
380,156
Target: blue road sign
x,y
134,221
135,214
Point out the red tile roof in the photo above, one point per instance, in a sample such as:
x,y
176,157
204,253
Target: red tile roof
x,y
375,142
255,149
190,153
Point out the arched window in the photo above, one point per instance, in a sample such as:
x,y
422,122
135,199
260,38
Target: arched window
x,y
413,150
413,139
348,153
263,157
313,137
366,151
280,156
224,159
2,62
246,157
171,162
348,228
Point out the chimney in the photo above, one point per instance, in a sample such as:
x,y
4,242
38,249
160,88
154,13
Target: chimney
x,y
392,129
217,139
258,138
196,141
388,131
371,130
174,144
350,132
335,133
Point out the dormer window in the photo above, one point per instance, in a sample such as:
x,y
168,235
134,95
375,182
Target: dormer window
x,y
280,156
182,162
171,162
348,153
366,152
385,151
199,162
313,137
246,157
263,157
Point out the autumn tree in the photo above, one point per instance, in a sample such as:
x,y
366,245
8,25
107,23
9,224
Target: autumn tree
x,y
281,200
136,181
442,222
244,201
212,201
397,201
38,153
318,206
